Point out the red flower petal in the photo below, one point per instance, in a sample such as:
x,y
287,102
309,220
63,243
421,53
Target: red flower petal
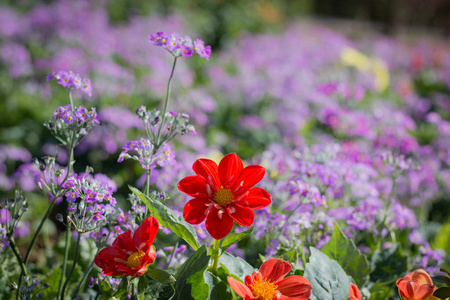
x,y
218,223
125,241
250,176
240,288
207,169
145,234
109,257
230,167
424,291
195,210
354,292
256,198
275,269
194,186
242,215
296,287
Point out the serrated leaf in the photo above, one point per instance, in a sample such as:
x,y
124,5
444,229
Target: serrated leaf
x,y
161,276
388,264
167,218
344,251
235,266
190,282
233,238
327,277
53,281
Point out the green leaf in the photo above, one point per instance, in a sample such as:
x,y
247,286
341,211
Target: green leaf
x,y
190,277
388,264
161,276
290,255
167,218
443,292
105,287
235,266
233,238
122,288
381,291
327,277
344,251
53,281
218,289
142,284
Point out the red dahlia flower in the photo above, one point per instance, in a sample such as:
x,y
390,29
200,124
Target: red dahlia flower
x,y
130,255
223,194
268,283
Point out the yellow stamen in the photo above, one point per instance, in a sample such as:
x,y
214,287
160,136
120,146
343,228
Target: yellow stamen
x,y
264,290
135,260
223,197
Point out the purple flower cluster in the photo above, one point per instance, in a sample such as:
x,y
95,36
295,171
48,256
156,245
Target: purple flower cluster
x,y
145,154
4,241
180,46
90,200
71,81
79,116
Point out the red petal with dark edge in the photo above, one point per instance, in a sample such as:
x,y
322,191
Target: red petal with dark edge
x,y
250,176
240,288
275,269
195,210
230,167
218,227
256,198
194,186
242,215
145,234
295,287
208,170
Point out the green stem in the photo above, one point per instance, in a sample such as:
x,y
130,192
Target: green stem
x,y
84,278
147,184
66,256
16,252
163,119
215,256
75,258
71,101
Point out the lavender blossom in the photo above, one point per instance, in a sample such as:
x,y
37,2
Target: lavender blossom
x,y
180,46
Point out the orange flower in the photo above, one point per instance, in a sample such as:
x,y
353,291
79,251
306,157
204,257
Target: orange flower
x,y
354,293
269,283
416,285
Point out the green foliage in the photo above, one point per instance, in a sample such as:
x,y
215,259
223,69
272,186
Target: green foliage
x,y
167,218
190,277
161,276
388,265
443,292
234,237
327,277
235,266
53,280
344,251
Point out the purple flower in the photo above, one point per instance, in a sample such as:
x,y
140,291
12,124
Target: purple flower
x,y
71,80
201,50
180,46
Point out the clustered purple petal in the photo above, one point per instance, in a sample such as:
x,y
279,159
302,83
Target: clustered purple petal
x,y
79,115
144,149
71,81
180,46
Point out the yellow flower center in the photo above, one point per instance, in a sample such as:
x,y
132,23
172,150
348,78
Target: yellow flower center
x,y
223,197
264,290
135,260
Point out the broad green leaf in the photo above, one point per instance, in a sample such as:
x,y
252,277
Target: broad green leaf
x,y
290,255
327,277
233,238
442,279
161,276
53,281
344,251
235,266
142,284
105,287
388,264
190,277
217,288
443,292
167,218
381,291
